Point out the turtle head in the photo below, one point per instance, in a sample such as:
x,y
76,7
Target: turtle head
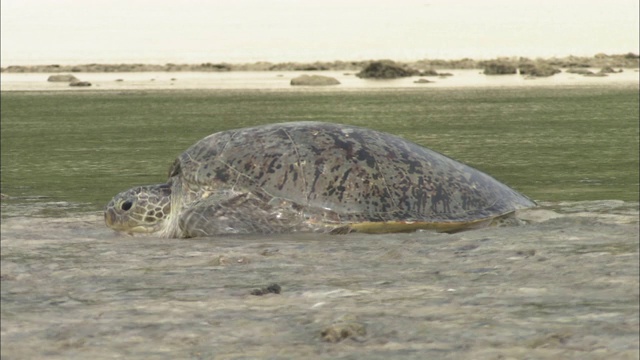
x,y
142,209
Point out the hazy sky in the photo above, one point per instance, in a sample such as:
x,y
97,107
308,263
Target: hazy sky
x,y
191,31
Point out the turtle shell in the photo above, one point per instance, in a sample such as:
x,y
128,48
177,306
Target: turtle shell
x,y
347,173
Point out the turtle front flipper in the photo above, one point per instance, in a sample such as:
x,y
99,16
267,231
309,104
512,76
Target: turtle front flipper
x,y
342,230
242,214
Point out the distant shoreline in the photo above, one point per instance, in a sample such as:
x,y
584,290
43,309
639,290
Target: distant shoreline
x,y
629,60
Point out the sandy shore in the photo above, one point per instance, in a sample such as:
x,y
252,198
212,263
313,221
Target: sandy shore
x,y
563,286
265,80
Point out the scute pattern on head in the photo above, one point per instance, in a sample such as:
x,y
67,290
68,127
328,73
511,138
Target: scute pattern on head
x,y
140,209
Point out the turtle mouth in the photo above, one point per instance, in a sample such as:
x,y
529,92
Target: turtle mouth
x,y
113,221
120,223
109,217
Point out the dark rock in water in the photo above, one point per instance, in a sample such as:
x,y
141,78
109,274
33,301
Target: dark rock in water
x,y
213,67
423,81
385,70
429,72
310,68
62,78
432,72
609,70
314,80
602,73
499,68
598,74
271,289
80,83
538,70
580,71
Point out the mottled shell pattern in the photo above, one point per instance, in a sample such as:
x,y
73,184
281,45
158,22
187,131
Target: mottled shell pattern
x,y
347,173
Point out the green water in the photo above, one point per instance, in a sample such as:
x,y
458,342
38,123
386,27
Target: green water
x,y
80,148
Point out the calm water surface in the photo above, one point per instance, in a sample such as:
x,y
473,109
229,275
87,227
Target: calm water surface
x,y
72,151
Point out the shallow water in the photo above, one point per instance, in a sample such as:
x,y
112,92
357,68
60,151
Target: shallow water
x,y
267,80
563,286
74,150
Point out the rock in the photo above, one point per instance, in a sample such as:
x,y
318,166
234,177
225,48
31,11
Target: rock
x,y
432,72
580,71
385,70
214,67
429,72
602,73
80,83
599,74
314,80
608,70
62,78
310,68
271,289
423,81
538,70
499,68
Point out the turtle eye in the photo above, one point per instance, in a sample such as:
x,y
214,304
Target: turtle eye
x,y
126,205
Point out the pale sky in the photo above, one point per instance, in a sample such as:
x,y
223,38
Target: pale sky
x,y
194,31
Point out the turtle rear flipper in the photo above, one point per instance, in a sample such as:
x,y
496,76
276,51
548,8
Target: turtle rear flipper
x,y
387,227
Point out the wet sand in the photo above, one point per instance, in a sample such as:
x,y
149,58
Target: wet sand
x,y
563,286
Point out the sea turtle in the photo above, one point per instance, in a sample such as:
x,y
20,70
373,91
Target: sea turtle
x,y
312,176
